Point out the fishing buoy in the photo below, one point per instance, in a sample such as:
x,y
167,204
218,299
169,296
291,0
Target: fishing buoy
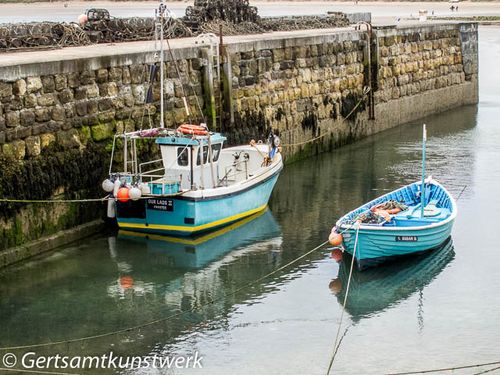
x,y
126,282
335,239
337,255
145,190
335,286
134,193
123,194
82,19
108,185
111,209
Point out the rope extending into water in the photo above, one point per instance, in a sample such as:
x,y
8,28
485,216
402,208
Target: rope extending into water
x,y
166,318
444,369
365,92
338,340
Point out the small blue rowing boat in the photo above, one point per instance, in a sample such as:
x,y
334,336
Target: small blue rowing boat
x,y
405,232
406,221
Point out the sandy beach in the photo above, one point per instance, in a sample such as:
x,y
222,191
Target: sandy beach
x,y
381,11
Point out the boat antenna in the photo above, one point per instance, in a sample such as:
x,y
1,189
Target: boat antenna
x,y
422,189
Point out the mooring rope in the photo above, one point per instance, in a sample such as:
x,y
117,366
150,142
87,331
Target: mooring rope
x,y
337,341
7,200
167,318
444,369
365,92
17,370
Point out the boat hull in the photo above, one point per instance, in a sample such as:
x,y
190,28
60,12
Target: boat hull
x,y
185,216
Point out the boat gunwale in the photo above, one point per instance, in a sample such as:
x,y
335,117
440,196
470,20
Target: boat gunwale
x,y
367,228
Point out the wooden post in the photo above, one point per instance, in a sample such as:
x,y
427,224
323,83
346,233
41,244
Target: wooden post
x,y
208,87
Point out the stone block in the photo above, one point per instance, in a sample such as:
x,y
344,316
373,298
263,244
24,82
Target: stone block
x,y
17,149
115,74
27,117
137,73
69,110
58,113
106,116
15,103
92,90
66,96
108,89
33,146
81,108
46,140
46,100
105,104
42,114
92,107
5,90
68,138
12,119
87,77
48,84
34,84
73,80
102,131
30,101
60,82
102,75
80,93
126,79
278,55
19,87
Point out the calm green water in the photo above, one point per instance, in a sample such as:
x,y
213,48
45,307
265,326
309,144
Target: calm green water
x,y
427,312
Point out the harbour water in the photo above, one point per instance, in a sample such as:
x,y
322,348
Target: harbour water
x,y
434,311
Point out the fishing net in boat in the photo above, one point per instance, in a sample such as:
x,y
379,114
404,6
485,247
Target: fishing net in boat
x,y
381,213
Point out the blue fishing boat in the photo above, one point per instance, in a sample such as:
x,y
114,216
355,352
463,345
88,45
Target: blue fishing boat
x,y
196,185
415,218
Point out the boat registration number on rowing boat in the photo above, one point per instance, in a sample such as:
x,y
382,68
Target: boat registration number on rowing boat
x,y
160,204
406,238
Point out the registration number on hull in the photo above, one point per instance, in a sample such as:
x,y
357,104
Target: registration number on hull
x,y
160,204
406,238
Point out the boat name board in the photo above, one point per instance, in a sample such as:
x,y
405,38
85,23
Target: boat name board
x,y
160,204
406,238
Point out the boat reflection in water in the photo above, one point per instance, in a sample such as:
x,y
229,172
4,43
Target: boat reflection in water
x,y
174,256
377,289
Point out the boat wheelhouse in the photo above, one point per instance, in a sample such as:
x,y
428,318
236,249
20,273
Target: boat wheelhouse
x,y
197,185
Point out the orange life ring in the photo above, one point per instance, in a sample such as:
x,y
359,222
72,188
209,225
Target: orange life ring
x,y
192,129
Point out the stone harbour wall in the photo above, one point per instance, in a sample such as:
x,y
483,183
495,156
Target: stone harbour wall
x,y
318,90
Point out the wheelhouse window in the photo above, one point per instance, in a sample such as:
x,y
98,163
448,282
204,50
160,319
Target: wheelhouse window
x,y
216,151
205,155
182,156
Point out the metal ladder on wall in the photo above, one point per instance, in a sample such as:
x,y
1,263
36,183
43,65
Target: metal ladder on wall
x,y
213,55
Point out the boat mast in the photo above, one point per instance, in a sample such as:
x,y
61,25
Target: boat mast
x,y
422,189
161,13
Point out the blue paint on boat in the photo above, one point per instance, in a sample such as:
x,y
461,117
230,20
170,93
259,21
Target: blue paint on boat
x,y
408,232
188,217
